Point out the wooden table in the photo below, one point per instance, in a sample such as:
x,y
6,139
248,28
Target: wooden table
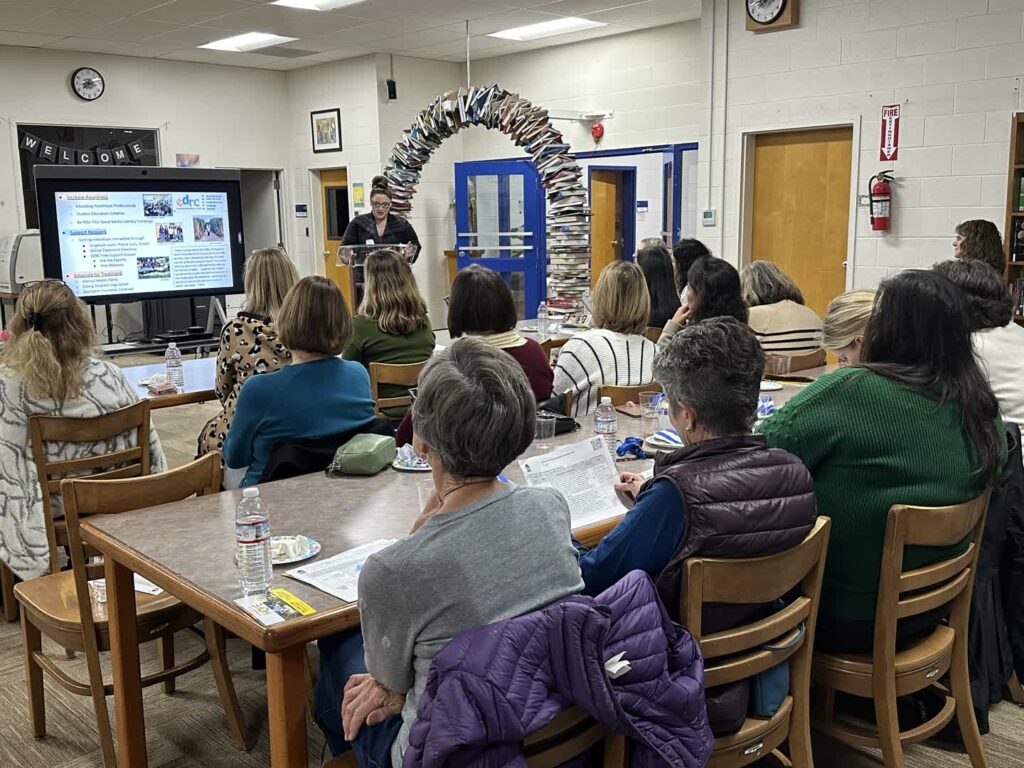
x,y
187,548
199,381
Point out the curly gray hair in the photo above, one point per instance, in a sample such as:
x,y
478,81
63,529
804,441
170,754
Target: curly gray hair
x,y
715,367
475,409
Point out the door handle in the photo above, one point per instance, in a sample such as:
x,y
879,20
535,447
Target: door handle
x,y
618,243
325,253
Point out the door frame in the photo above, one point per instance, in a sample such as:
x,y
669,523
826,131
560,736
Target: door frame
x,y
315,217
745,221
628,201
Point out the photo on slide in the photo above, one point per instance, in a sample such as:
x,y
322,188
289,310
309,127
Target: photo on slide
x,y
207,229
171,232
157,205
153,266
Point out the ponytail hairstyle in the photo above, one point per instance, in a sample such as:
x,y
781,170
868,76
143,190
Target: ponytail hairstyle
x,y
51,336
380,186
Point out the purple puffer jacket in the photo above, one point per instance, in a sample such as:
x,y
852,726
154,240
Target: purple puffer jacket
x,y
491,687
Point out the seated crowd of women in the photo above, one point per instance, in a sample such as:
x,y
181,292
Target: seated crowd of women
x,y
915,416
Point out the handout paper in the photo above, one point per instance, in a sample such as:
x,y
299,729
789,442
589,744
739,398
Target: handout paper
x,y
339,575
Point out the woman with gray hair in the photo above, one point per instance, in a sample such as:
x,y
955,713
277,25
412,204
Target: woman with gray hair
x,y
481,551
783,325
724,494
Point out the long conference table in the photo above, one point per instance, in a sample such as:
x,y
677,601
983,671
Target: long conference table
x,y
200,375
187,548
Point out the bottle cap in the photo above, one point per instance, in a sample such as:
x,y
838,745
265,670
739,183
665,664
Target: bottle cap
x,y
250,493
606,400
172,344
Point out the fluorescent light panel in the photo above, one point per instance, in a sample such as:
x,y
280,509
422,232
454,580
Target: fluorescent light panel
x,y
250,41
317,5
560,26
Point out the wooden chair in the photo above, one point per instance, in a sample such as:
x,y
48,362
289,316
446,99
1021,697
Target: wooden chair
x,y
130,462
778,366
888,673
570,401
60,605
7,593
738,654
550,344
569,735
653,333
400,375
623,395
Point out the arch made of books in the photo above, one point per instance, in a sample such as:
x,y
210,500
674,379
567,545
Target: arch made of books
x,y
568,217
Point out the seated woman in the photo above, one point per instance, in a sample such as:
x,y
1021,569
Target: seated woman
x,y
724,494
998,341
316,396
249,343
392,325
614,351
712,290
979,240
685,254
914,423
846,319
456,570
48,368
657,268
778,317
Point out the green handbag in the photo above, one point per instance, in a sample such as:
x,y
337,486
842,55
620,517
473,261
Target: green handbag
x,y
364,455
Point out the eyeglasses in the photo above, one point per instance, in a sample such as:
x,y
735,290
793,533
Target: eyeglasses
x,y
380,206
52,280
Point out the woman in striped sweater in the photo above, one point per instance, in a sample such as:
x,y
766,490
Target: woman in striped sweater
x,y
615,350
778,317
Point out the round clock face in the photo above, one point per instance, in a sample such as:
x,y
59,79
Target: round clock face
x,y
765,11
87,83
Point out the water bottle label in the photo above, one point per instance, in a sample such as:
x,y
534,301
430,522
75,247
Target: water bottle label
x,y
606,427
252,532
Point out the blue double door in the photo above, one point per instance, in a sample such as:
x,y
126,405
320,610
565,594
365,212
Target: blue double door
x,y
500,224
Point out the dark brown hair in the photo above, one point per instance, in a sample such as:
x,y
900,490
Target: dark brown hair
x,y
989,304
314,318
981,242
380,186
480,303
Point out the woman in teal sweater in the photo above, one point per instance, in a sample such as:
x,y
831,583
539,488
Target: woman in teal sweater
x,y
316,396
915,423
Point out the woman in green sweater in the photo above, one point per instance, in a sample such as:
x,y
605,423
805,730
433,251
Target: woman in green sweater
x,y
914,423
392,325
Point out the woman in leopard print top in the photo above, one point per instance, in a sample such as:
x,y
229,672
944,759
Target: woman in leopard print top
x,y
249,343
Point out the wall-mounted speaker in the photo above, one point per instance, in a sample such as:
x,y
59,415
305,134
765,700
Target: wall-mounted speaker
x,y
392,89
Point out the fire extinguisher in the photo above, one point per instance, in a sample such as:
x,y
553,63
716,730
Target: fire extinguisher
x,y
880,195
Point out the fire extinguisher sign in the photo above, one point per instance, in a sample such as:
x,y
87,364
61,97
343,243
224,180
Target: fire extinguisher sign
x,y
890,144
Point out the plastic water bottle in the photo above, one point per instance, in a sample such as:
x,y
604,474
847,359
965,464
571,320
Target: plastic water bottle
x,y
606,425
252,538
172,366
542,320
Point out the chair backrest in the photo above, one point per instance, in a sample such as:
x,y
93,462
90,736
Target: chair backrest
x,y
652,333
129,462
399,375
570,735
780,365
623,395
740,653
549,344
945,582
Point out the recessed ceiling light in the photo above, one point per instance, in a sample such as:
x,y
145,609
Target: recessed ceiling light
x,y
317,5
560,26
250,41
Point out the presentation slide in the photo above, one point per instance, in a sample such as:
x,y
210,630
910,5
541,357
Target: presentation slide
x,y
143,242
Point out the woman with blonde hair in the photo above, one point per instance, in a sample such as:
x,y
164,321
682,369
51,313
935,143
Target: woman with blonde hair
x,y
778,317
318,395
48,368
615,350
249,343
392,325
846,320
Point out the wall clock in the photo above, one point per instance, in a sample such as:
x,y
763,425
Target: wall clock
x,y
87,83
769,15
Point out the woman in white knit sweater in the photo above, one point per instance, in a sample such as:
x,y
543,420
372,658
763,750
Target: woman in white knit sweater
x,y
47,368
614,351
997,339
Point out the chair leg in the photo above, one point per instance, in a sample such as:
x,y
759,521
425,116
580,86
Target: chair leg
x,y
888,723
165,649
7,593
33,643
1016,691
960,683
215,645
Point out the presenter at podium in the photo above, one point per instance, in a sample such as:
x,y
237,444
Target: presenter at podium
x,y
380,227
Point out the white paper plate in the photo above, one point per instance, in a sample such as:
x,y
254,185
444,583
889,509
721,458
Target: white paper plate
x,y
311,548
770,386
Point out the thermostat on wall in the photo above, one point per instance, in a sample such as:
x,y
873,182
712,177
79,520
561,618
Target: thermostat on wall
x,y
707,218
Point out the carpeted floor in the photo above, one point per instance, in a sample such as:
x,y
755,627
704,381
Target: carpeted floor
x,y
187,729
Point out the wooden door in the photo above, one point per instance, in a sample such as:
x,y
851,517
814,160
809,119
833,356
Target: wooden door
x,y
802,206
333,179
606,221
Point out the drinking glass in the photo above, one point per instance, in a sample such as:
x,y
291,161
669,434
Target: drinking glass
x,y
650,412
544,433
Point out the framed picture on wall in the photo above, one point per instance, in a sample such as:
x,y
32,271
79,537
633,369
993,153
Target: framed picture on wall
x,y
326,128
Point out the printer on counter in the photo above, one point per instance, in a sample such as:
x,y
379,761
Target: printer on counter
x,y
21,260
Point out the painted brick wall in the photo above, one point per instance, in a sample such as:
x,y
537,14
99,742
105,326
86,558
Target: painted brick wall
x,y
954,66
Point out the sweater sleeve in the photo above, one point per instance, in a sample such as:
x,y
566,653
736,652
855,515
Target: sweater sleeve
x,y
388,635
226,372
238,448
671,329
570,375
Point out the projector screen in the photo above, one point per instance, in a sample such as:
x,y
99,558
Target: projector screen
x,y
125,234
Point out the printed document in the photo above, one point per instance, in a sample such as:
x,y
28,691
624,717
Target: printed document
x,y
339,575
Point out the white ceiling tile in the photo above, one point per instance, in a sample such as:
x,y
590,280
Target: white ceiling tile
x,y
187,12
272,18
650,13
500,21
207,56
26,39
111,47
584,7
64,22
110,7
133,30
12,14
